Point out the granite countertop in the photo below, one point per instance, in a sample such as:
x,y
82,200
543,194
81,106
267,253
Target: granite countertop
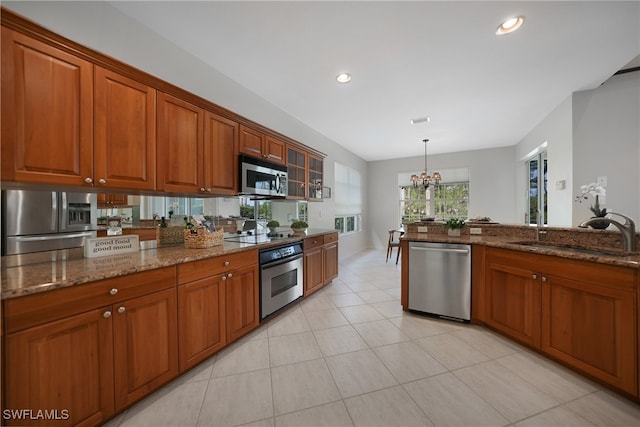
x,y
44,271
565,250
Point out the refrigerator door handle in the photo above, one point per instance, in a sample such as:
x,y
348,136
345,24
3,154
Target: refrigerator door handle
x,y
52,237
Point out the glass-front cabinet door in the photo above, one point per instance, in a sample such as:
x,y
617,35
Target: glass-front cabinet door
x,y
296,171
315,177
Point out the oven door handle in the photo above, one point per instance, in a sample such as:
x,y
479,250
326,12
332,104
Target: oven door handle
x,y
281,261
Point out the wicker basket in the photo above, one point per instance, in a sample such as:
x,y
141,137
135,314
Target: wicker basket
x,y
200,238
169,235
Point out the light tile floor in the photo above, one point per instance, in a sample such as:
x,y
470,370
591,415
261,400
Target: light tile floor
x,y
349,356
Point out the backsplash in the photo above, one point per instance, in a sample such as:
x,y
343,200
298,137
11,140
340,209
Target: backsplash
x,y
570,236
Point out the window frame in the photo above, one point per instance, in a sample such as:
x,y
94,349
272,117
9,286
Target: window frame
x,y
433,205
541,198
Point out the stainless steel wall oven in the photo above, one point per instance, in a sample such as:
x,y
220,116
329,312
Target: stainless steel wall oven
x,y
281,276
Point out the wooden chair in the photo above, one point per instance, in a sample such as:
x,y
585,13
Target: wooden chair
x,y
394,242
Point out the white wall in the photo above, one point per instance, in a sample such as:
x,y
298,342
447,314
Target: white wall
x,y
556,131
491,186
592,133
606,129
103,28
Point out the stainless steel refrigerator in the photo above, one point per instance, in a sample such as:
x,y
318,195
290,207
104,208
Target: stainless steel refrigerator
x,y
34,221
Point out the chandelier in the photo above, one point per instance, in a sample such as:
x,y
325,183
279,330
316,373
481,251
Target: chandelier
x,y
425,180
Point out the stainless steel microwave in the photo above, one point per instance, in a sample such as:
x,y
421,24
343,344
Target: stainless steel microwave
x,y
261,177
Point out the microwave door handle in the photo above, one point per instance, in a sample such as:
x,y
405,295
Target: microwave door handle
x,y
64,211
53,221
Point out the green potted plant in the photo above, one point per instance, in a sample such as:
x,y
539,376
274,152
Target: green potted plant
x,y
299,226
454,225
273,225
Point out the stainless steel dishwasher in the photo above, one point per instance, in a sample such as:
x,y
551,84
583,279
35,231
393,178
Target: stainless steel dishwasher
x,y
440,279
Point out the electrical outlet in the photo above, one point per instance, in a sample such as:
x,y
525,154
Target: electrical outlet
x,y
422,229
475,230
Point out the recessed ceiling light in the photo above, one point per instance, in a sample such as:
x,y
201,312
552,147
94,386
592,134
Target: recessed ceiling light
x,y
420,120
510,25
343,78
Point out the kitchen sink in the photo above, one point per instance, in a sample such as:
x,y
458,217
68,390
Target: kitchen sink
x,y
574,248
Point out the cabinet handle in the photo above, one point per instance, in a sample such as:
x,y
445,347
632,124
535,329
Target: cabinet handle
x,y
88,180
224,278
113,291
226,263
229,275
106,314
544,279
209,190
534,277
102,181
121,310
202,189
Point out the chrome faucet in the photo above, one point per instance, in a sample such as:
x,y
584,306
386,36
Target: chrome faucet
x,y
539,223
628,229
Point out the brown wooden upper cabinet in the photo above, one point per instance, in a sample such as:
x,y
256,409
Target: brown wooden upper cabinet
x,y
305,174
47,113
197,150
257,144
67,122
220,155
125,132
180,145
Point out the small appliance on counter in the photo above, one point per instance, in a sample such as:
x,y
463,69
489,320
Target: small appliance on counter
x,y
34,221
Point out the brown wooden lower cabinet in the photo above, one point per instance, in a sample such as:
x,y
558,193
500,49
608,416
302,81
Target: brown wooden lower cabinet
x,y
201,320
84,365
242,301
513,302
65,366
320,261
581,313
218,302
330,256
313,270
145,341
591,327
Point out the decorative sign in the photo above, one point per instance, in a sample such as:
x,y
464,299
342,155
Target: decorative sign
x,y
112,245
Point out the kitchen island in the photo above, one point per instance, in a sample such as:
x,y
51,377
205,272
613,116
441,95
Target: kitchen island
x,y
571,294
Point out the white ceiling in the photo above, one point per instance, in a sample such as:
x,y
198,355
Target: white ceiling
x,y
408,60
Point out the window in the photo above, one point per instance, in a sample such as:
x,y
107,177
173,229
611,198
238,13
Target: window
x,y
348,223
442,201
161,206
537,188
301,208
447,200
348,197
